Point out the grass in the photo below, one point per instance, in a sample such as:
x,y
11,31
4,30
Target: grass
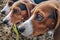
x,y
16,31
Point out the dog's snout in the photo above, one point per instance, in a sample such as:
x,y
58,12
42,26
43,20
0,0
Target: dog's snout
x,y
21,30
5,22
2,12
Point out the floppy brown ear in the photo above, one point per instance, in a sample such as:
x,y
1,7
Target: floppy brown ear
x,y
29,6
33,6
57,29
58,18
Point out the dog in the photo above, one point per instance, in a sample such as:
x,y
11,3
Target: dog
x,y
45,17
19,11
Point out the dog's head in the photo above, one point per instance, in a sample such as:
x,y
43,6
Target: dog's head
x,y
44,18
20,11
6,8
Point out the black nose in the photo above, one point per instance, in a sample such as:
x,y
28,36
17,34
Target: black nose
x,y
3,12
5,22
21,30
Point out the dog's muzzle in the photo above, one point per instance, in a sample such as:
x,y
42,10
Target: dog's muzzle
x,y
5,22
2,12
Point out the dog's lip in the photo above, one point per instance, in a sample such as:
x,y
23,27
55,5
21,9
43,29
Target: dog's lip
x,y
17,24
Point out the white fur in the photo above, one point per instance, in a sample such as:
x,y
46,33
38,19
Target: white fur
x,y
6,9
50,32
50,35
8,18
28,27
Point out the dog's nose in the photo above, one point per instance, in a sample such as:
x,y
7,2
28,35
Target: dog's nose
x,y
5,22
21,30
2,12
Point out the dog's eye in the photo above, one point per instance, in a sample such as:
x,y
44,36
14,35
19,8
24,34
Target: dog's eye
x,y
15,11
23,7
39,17
10,3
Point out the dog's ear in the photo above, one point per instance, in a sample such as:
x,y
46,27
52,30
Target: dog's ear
x,y
22,6
33,8
30,7
53,14
10,3
15,0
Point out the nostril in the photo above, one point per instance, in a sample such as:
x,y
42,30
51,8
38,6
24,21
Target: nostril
x,y
5,22
21,30
3,12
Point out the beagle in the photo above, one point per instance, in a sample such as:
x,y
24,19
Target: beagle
x,y
19,11
6,9
45,16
